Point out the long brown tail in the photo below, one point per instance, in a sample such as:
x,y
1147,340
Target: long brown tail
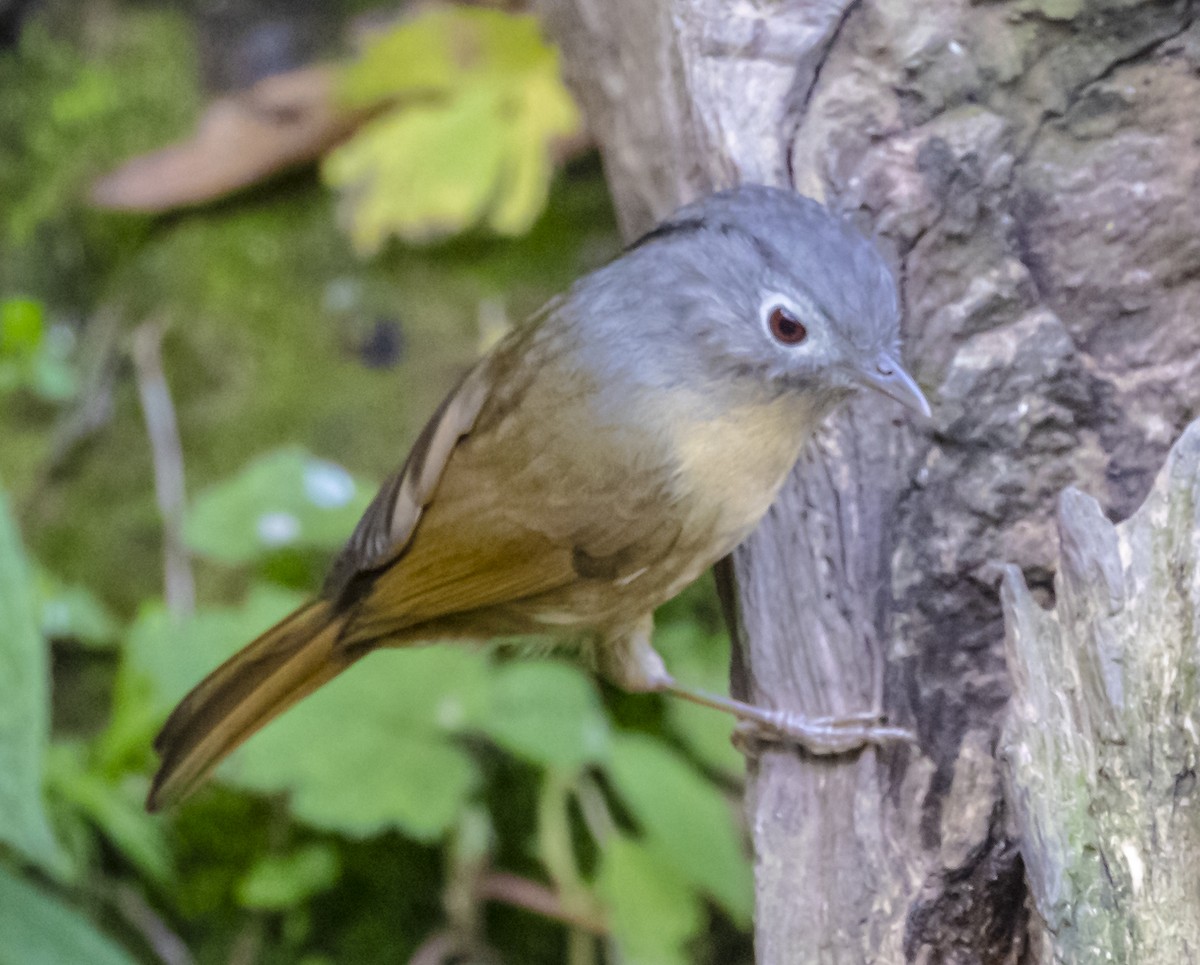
x,y
251,688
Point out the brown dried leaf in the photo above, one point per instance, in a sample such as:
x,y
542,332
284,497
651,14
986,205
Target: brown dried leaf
x,y
283,121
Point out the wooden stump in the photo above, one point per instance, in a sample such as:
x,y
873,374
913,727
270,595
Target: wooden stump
x,y
1103,733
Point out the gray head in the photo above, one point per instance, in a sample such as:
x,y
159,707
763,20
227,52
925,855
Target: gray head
x,y
783,291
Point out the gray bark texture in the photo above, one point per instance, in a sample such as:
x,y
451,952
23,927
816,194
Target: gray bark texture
x,y
1031,167
1103,734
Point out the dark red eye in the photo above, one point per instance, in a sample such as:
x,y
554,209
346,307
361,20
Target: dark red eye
x,y
786,327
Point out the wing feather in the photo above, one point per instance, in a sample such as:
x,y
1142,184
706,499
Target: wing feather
x,y
390,521
515,491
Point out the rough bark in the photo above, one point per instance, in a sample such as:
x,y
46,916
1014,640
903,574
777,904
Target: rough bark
x,y
1030,166
1103,736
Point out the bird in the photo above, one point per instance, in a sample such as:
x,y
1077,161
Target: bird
x,y
594,463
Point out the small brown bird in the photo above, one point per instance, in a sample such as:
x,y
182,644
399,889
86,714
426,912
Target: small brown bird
x,y
595,463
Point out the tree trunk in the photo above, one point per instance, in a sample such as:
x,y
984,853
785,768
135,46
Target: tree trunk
x,y
1031,168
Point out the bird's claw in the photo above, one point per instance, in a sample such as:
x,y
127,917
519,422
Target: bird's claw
x,y
822,736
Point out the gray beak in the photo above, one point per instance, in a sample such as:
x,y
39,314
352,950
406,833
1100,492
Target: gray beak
x,y
885,375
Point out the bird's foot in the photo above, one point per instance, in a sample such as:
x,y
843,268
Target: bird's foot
x,y
822,736
817,735
632,663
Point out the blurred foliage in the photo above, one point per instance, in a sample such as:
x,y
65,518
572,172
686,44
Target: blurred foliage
x,y
24,710
66,116
73,612
402,801
38,930
653,909
284,498
475,107
31,357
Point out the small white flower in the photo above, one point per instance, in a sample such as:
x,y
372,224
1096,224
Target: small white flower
x,y
278,529
327,485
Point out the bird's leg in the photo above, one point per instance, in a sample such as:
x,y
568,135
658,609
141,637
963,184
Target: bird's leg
x,y
817,735
631,662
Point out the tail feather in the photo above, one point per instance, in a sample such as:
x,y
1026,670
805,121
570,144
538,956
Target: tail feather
x,y
253,687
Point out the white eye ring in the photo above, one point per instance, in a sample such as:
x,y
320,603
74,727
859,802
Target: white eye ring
x,y
782,321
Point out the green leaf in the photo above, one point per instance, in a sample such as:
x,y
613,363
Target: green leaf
x,y
477,153
654,912
366,752
685,820
281,881
285,498
72,612
37,929
22,326
360,783
33,356
547,712
50,376
114,807
24,709
699,659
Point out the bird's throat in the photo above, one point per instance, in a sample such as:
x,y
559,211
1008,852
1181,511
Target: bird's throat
x,y
731,465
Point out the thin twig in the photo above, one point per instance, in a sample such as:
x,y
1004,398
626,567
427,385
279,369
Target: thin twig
x,y
523,893
437,949
581,947
594,808
98,353
179,587
168,946
248,946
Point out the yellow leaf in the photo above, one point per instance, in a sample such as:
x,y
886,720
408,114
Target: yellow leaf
x,y
444,49
477,150
507,44
545,113
413,58
422,173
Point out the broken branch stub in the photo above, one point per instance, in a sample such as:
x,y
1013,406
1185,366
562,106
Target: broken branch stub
x,y
1101,743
